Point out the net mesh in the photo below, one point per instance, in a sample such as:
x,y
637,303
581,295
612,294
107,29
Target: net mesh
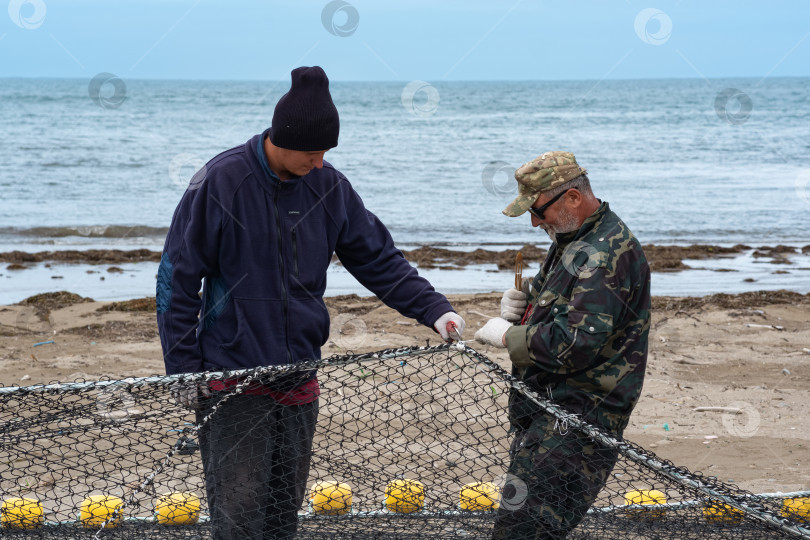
x,y
409,443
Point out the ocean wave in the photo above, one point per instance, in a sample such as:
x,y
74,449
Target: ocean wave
x,y
87,231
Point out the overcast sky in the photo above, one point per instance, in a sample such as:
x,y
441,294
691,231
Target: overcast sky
x,y
431,40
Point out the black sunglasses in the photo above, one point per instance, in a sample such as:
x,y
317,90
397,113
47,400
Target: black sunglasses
x,y
539,213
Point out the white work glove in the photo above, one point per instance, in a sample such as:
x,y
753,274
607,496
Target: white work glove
x,y
450,326
492,333
187,393
513,305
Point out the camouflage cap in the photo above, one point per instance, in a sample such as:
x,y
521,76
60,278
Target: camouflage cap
x,y
541,174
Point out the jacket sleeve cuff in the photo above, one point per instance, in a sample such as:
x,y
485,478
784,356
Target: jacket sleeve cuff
x,y
436,312
517,346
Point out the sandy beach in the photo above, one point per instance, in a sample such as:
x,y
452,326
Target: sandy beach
x,y
727,381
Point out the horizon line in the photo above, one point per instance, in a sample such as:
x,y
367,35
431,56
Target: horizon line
x,y
405,81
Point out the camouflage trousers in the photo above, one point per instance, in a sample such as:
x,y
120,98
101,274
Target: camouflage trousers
x,y
553,479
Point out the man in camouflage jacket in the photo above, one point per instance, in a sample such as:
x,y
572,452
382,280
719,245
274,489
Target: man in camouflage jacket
x,y
579,338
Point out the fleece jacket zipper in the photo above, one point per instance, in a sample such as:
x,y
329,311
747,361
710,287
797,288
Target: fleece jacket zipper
x,y
295,252
281,277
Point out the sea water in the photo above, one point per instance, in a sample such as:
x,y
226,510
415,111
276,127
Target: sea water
x,y
675,159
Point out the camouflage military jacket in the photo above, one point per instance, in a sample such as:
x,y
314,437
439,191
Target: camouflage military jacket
x,y
586,334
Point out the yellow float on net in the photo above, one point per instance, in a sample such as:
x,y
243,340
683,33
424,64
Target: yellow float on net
x,y
97,509
330,498
480,496
21,513
651,497
178,508
718,512
797,508
405,496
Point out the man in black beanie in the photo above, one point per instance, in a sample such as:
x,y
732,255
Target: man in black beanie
x,y
259,224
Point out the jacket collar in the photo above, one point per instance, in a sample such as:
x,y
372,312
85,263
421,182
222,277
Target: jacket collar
x,y
262,157
563,239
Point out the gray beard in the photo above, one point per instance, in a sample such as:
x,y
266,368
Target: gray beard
x,y
567,222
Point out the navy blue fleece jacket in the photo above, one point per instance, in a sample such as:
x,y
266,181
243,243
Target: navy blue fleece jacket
x,y
263,247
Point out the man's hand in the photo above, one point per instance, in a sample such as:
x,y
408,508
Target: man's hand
x,y
513,305
514,302
450,326
187,393
493,332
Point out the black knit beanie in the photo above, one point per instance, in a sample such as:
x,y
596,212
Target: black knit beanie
x,y
305,118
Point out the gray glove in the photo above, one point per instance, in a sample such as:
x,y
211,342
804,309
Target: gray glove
x,y
187,393
514,302
492,333
513,305
450,326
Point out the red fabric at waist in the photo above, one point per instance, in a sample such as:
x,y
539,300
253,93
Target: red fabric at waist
x,y
306,393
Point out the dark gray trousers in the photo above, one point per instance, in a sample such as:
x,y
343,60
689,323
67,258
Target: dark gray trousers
x,y
256,455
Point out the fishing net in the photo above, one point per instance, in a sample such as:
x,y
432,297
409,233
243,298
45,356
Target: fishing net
x,y
409,443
